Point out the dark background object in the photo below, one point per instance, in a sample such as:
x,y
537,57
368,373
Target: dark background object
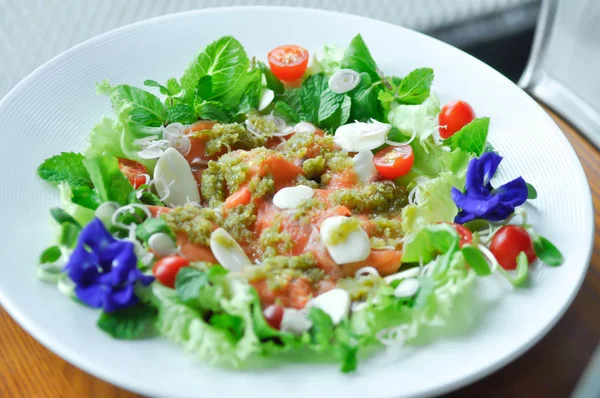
x,y
502,40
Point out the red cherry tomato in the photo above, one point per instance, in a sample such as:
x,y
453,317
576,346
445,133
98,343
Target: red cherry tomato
x,y
289,62
454,116
134,171
466,237
394,161
508,242
273,315
166,269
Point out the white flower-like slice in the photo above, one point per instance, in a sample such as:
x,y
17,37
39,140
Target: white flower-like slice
x,y
345,242
363,165
162,244
360,136
304,127
266,97
343,81
227,251
151,152
294,321
292,197
105,212
409,273
335,303
174,180
407,288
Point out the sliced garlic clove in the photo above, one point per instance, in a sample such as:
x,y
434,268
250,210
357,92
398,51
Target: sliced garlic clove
x,y
174,180
292,197
227,251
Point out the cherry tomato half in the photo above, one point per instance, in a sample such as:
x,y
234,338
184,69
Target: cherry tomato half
x,y
394,161
508,242
166,269
289,62
466,237
454,116
134,171
273,315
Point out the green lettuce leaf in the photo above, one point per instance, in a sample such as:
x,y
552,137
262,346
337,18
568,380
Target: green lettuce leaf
x,y
81,214
435,205
330,59
210,343
472,137
146,109
110,182
418,119
226,61
105,139
429,241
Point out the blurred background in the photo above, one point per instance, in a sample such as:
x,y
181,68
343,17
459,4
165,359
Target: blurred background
x,y
499,32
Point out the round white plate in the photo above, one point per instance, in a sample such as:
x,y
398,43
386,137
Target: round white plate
x,y
54,108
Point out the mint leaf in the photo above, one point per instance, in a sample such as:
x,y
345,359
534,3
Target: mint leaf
x,y
547,252
67,167
204,90
110,182
292,99
357,57
181,113
151,226
472,137
365,102
345,110
173,86
310,96
329,105
476,260
286,112
272,82
531,192
146,108
202,290
415,87
226,61
153,83
212,110
128,324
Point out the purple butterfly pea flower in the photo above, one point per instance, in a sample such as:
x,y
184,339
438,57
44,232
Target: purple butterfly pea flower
x,y
482,201
104,269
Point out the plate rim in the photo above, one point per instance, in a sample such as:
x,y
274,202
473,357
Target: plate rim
x,y
64,352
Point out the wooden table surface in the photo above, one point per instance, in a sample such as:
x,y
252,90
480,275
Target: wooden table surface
x,y
550,369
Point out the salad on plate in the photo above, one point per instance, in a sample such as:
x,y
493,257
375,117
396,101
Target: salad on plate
x,y
257,209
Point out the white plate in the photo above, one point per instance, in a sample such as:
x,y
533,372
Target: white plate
x,y
54,108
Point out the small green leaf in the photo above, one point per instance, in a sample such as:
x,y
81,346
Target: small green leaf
x,y
286,112
203,90
476,260
181,113
472,137
68,234
153,83
173,86
415,87
128,324
531,192
522,270
150,226
547,252
62,217
345,110
50,255
272,82
86,197
365,102
322,329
